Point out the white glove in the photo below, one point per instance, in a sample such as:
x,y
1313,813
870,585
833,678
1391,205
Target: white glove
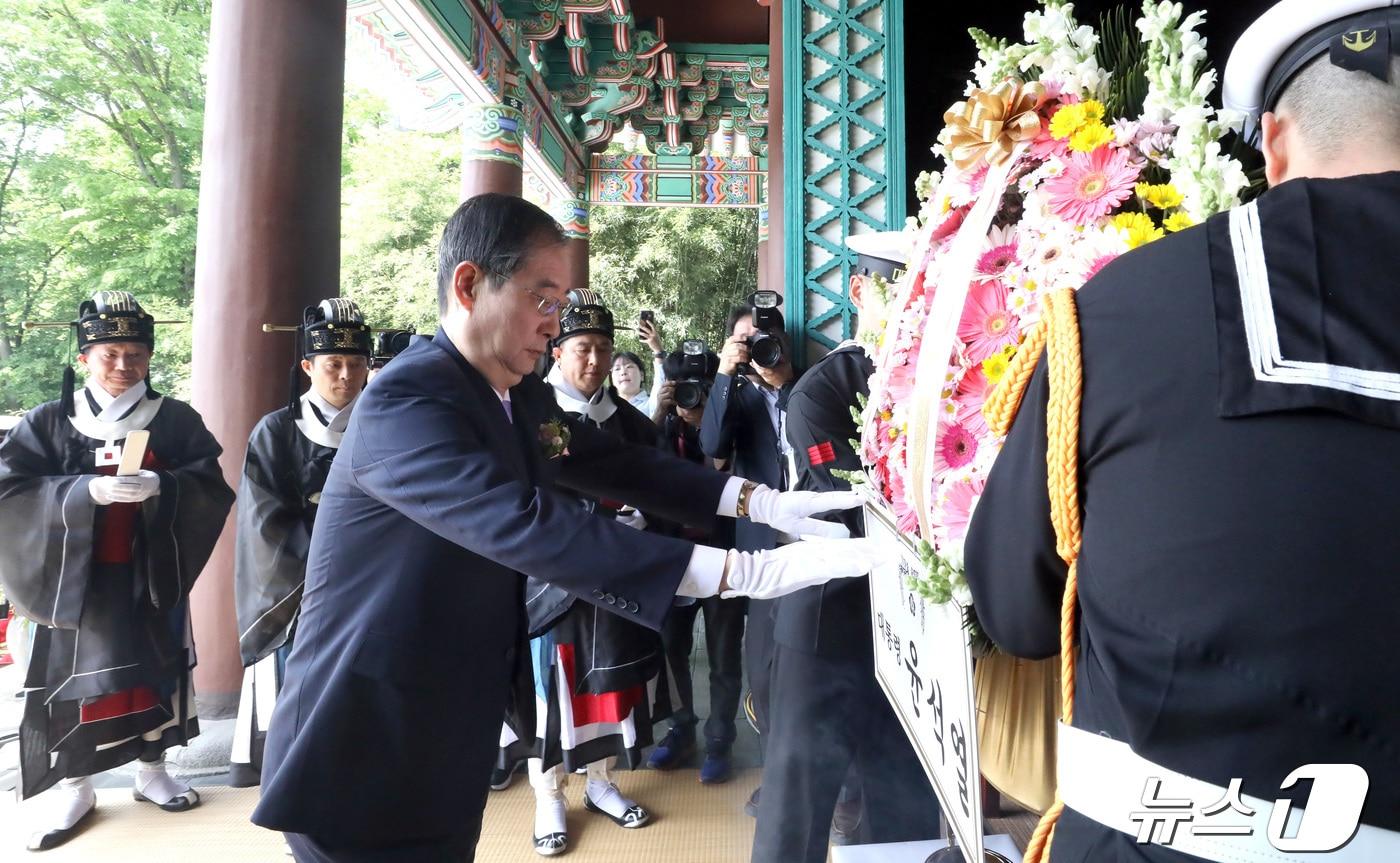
x,y
792,511
780,571
632,518
107,490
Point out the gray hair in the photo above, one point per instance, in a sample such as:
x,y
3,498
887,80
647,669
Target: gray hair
x,y
1335,108
496,232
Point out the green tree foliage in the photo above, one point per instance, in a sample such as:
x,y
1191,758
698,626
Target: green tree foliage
x,y
101,106
398,189
689,265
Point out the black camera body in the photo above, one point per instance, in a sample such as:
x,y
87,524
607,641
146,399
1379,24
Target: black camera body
x,y
388,344
693,369
766,345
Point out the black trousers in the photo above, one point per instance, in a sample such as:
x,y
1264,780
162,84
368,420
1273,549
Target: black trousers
x,y
724,639
461,849
825,715
758,662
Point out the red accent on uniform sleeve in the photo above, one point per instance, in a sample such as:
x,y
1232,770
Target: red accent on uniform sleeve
x,y
821,453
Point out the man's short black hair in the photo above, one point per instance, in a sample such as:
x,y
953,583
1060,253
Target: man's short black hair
x,y
736,314
495,232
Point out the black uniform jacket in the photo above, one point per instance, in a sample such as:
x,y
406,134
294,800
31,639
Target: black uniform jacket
x,y
412,620
832,620
1238,584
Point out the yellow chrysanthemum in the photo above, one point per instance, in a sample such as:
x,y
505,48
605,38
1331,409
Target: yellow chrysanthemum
x,y
1090,137
1163,196
1093,110
1067,121
1178,221
1140,229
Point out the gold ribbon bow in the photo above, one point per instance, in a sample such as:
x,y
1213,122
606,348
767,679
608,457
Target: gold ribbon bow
x,y
990,125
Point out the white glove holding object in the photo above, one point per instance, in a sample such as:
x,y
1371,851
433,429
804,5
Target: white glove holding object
x,y
106,490
792,511
780,571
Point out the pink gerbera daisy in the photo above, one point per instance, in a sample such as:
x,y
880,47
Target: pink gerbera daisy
x,y
987,324
956,448
971,396
1001,255
955,511
1103,261
1093,184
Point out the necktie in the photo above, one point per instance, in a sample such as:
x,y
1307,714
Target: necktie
x,y
510,417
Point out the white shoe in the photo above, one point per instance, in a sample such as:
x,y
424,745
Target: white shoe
x,y
65,807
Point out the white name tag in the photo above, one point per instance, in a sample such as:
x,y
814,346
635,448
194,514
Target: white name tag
x,y
109,456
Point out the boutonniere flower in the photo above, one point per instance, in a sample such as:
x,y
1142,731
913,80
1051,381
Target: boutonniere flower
x,y
554,439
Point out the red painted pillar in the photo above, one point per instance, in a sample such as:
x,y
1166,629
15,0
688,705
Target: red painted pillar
x,y
269,245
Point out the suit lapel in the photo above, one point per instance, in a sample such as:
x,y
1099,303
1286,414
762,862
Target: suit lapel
x,y
501,435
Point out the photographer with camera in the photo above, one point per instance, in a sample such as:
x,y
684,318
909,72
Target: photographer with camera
x,y
690,372
743,427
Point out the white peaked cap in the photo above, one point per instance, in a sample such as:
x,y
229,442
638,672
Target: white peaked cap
x,y
1269,38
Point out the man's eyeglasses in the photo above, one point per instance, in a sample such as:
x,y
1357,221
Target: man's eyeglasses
x,y
547,305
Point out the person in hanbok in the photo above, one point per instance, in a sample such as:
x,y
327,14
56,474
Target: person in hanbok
x,y
102,565
600,679
289,455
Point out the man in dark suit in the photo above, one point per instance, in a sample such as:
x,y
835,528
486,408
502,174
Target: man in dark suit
x,y
823,652
1236,589
743,426
439,502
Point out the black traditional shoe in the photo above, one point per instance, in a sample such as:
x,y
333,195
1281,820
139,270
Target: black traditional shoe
x,y
54,838
502,777
632,817
179,803
552,845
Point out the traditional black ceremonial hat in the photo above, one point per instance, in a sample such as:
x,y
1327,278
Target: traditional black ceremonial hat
x,y
1358,35
884,253
585,313
113,316
335,326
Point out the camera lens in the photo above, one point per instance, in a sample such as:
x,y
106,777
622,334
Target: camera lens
x,y
765,350
689,394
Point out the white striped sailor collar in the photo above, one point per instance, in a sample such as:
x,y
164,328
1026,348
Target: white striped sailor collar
x,y
1306,311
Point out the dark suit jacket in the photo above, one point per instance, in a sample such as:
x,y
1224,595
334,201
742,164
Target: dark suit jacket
x,y
832,620
1237,583
738,427
412,620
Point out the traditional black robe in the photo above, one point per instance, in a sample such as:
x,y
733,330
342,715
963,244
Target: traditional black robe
x,y
109,673
611,655
289,456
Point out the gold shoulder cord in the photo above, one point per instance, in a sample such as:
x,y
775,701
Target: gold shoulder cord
x,y
1058,336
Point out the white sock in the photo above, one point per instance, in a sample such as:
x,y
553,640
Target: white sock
x,y
607,798
549,817
158,786
64,804
67,802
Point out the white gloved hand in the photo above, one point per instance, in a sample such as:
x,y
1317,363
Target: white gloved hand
x,y
106,490
780,571
632,518
792,511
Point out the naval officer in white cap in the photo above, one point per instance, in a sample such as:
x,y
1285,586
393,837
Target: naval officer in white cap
x,y
1239,474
